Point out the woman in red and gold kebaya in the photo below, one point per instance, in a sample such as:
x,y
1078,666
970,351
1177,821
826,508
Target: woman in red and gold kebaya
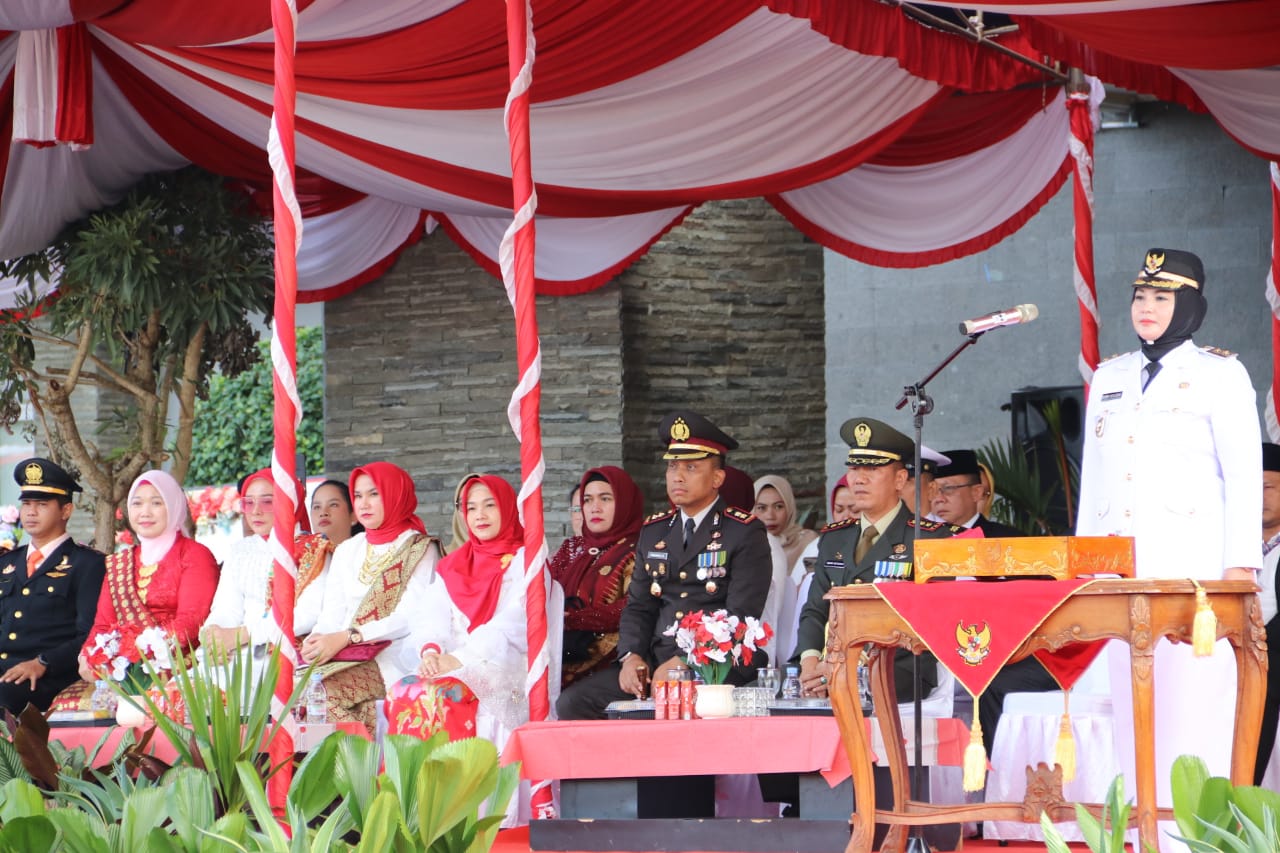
x,y
166,580
595,569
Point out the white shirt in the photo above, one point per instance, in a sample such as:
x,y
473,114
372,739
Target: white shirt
x,y
243,594
343,592
1267,580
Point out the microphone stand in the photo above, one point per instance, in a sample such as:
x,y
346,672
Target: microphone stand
x,y
921,405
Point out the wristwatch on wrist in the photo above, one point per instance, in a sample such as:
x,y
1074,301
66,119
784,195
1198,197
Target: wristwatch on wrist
x,y
354,636
40,660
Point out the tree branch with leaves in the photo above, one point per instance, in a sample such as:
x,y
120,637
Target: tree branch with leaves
x,y
153,295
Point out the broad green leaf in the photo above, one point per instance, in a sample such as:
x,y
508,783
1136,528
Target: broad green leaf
x,y
356,774
143,811
1255,803
191,803
259,807
228,831
382,825
81,833
314,787
403,757
1187,780
454,781
19,798
28,835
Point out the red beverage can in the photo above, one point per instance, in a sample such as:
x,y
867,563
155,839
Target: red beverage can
x,y
660,700
686,700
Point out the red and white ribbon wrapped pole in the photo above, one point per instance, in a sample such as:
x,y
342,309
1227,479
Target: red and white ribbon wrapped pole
x,y
288,407
1273,299
516,258
1081,110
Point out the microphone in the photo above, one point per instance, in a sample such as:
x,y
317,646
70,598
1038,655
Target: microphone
x,y
1009,317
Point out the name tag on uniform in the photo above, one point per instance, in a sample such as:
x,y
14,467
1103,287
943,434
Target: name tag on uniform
x,y
833,564
1112,395
656,555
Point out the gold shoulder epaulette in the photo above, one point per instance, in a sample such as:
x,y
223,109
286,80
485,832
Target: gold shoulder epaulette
x,y
737,514
659,516
838,525
926,524
1218,351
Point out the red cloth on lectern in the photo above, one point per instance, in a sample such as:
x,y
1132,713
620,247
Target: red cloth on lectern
x,y
973,627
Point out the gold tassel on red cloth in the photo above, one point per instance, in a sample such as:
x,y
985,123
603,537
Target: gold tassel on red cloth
x,y
1064,749
975,756
1204,630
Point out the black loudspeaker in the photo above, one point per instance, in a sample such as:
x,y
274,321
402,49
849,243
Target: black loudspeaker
x,y
1031,433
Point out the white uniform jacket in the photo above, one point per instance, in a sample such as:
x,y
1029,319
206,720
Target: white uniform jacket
x,y
1178,468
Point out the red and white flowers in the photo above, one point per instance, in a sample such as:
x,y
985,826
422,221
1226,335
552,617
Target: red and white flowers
x,y
118,655
715,642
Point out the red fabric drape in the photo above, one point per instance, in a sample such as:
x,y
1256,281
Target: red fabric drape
x,y
963,124
173,22
582,45
879,29
74,123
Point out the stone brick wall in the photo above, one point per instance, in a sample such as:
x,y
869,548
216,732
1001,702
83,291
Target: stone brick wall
x,y
420,366
725,316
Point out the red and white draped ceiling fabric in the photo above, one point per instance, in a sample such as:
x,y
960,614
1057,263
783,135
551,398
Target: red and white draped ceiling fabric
x,y
883,139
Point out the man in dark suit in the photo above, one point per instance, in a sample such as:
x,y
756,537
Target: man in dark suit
x,y
48,592
958,491
701,555
1269,580
878,545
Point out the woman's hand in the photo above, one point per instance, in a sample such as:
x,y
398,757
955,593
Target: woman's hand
x,y
320,648
434,664
86,671
1238,574
222,640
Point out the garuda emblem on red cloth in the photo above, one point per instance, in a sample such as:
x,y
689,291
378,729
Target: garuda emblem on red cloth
x,y
975,645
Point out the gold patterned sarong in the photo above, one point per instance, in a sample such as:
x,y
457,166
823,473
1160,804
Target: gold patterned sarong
x,y
353,687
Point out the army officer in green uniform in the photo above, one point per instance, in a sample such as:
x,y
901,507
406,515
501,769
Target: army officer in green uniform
x,y
48,592
875,546
700,555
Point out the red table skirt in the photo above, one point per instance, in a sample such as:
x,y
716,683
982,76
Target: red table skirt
x,y
604,749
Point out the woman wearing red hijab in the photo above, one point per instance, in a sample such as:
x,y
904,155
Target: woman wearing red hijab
x,y
469,634
595,570
372,596
241,612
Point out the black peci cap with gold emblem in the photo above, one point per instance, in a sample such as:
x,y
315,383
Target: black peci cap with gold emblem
x,y
42,480
873,442
688,435
1171,269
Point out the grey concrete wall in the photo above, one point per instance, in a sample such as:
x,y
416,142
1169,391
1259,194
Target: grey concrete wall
x,y
1177,181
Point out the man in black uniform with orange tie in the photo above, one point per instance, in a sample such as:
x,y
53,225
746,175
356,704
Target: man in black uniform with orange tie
x,y
48,592
701,555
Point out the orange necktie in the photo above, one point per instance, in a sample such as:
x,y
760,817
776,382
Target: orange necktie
x,y
34,559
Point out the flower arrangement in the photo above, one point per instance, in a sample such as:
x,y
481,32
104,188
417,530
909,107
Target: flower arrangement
x,y
10,528
715,642
140,658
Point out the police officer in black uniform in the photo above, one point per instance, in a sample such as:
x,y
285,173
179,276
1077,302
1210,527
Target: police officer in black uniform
x,y
875,546
702,555
48,592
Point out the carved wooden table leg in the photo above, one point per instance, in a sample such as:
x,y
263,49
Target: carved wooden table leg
x,y
843,690
1141,661
1250,649
885,696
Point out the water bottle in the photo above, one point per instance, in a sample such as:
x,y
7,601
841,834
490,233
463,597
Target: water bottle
x,y
316,700
102,699
791,684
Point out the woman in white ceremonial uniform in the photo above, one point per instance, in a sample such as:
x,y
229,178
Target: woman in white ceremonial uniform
x,y
1176,465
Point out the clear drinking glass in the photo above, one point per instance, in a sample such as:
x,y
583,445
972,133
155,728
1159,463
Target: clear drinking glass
x,y
769,678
